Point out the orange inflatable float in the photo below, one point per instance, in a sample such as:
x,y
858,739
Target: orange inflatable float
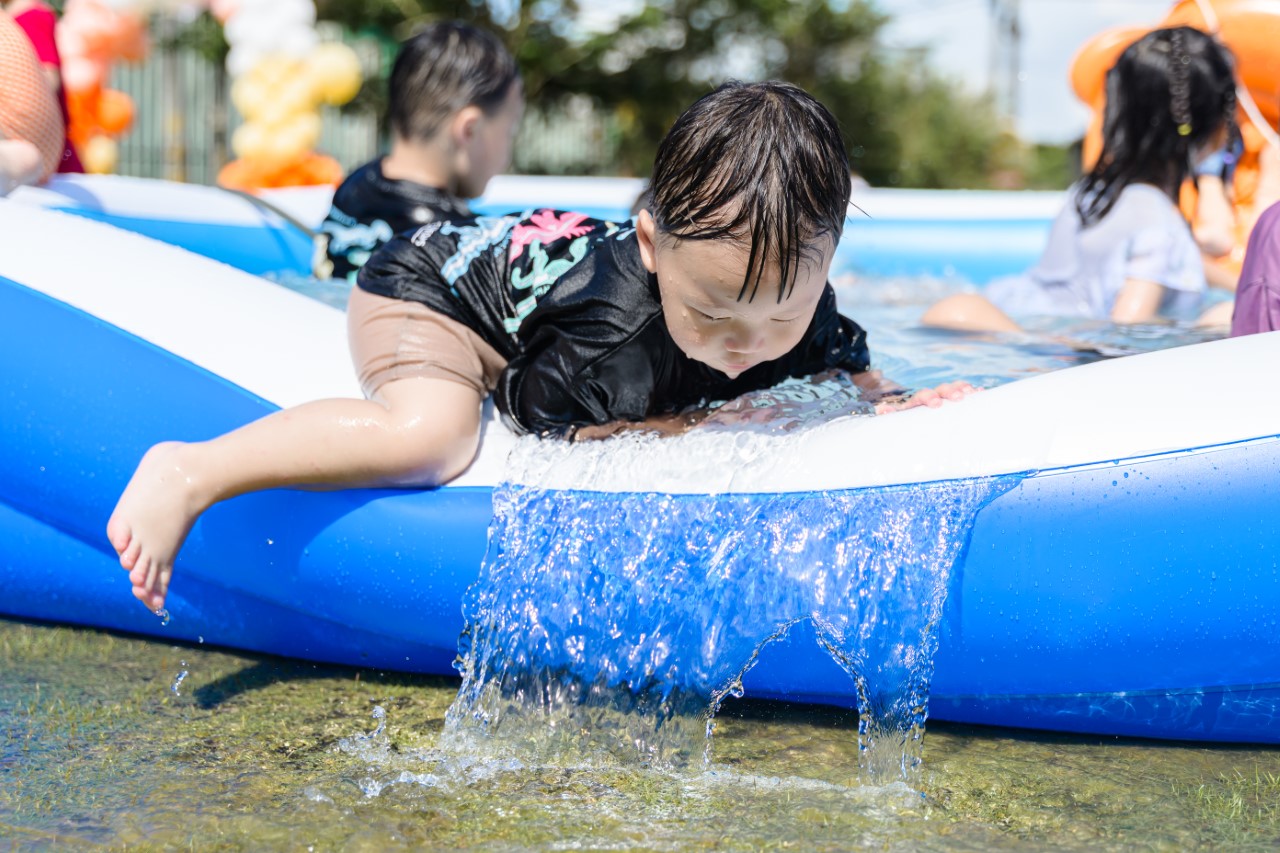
x,y
1251,30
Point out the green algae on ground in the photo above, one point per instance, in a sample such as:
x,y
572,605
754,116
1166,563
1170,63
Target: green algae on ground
x,y
260,753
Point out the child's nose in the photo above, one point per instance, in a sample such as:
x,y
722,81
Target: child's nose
x,y
744,341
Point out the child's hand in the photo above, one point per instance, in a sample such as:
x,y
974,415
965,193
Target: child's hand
x,y
931,397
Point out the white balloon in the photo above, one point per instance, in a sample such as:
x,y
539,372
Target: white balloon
x,y
297,42
241,61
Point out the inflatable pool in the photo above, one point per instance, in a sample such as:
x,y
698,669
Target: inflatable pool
x,y
895,232
1127,584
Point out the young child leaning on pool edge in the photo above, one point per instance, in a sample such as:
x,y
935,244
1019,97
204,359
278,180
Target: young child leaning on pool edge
x,y
578,327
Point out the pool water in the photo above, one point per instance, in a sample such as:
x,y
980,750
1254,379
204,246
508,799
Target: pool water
x,y
917,357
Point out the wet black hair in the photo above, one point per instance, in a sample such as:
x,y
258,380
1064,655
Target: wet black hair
x,y
442,69
762,163
1167,95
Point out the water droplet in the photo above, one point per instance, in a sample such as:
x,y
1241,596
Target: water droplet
x,y
165,618
177,682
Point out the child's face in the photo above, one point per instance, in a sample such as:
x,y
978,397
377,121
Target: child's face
x,y
490,142
699,282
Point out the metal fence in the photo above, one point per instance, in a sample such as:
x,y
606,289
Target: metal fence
x,y
184,120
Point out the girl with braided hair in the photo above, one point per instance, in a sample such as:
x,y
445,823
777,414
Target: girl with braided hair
x,y
1120,249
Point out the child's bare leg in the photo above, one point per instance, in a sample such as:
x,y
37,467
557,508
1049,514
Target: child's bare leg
x,y
420,432
968,312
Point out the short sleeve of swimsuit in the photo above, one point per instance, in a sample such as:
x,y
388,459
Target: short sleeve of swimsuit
x,y
1258,297
1166,255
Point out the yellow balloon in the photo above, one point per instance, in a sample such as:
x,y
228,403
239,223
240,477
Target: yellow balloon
x,y
249,141
271,71
292,96
100,155
334,69
302,131
250,96
272,146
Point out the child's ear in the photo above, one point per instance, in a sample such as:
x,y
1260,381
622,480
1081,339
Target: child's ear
x,y
465,126
646,237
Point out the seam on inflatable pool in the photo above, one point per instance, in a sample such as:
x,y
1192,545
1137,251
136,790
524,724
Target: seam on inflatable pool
x,y
1114,694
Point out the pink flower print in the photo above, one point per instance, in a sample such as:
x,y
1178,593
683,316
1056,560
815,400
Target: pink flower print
x,y
546,228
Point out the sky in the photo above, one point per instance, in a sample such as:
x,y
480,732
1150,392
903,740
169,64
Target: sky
x,y
959,36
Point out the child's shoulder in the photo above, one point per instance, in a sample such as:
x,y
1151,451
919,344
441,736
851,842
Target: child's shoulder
x,y
548,227
1147,198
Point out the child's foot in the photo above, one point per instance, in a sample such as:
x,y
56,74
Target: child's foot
x,y
152,518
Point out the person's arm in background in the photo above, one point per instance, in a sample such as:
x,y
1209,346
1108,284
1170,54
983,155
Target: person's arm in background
x,y
20,164
1137,302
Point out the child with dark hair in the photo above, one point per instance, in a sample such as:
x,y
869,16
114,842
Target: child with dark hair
x,y
578,327
1120,249
455,107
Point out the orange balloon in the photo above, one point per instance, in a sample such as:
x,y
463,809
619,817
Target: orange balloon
x,y
115,112
240,175
82,114
310,169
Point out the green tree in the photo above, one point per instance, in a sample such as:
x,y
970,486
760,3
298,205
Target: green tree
x,y
905,126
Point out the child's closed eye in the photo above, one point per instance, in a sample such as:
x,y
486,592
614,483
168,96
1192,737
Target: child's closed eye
x,y
703,315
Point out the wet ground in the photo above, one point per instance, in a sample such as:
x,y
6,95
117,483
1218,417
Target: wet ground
x,y
98,751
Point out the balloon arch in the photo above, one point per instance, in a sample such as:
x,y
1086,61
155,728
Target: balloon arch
x,y
282,74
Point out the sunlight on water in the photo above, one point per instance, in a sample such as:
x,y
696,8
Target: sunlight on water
x,y
889,308
610,625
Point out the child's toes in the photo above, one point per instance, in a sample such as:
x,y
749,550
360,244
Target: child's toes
x,y
140,574
118,536
129,556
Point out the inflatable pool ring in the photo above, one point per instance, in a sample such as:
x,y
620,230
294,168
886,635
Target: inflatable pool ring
x,y
975,235
1251,30
1124,585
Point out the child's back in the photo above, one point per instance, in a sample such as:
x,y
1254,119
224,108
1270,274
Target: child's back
x,y
1083,270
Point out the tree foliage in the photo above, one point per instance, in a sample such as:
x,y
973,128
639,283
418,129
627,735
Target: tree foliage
x,y
905,126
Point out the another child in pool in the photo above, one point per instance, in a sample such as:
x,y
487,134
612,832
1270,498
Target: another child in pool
x,y
1120,249
579,328
448,83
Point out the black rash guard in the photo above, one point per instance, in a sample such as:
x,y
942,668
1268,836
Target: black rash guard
x,y
369,209
568,302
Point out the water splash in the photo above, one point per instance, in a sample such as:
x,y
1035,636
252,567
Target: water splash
x,y
369,746
177,681
610,626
